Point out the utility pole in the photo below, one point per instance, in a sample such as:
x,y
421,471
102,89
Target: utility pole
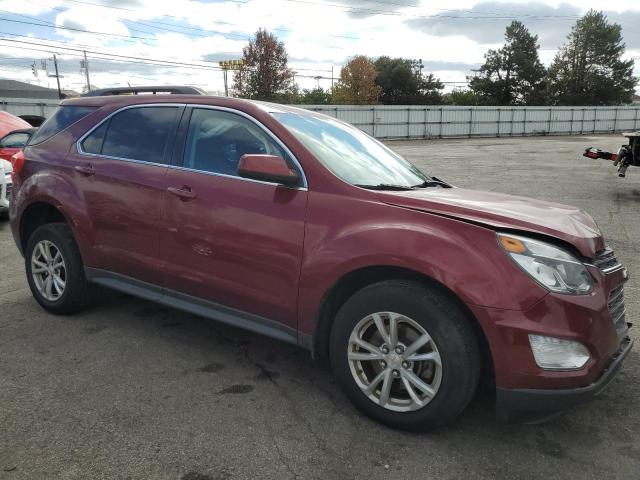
x,y
86,70
55,64
331,79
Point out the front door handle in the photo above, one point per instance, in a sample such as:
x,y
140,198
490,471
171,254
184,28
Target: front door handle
x,y
184,193
85,169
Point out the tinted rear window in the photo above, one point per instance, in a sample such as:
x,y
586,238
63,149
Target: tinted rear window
x,y
139,133
63,117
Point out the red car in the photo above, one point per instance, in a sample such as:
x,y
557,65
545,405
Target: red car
x,y
301,227
13,142
9,123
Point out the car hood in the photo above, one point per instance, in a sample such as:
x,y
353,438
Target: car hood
x,y
498,210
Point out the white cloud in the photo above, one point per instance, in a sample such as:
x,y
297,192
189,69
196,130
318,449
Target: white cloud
x,y
317,36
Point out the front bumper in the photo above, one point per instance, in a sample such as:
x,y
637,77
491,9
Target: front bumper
x,y
527,392
534,405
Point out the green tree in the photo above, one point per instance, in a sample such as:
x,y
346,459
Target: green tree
x,y
357,83
316,96
465,97
85,90
402,84
264,74
589,69
513,74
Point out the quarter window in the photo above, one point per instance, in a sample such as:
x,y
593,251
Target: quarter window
x,y
93,142
140,133
62,118
216,140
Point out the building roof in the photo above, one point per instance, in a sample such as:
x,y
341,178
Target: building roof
x,y
15,89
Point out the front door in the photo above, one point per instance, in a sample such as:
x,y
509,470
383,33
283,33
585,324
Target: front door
x,y
226,239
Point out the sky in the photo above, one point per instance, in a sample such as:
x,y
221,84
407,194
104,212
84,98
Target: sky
x,y
156,42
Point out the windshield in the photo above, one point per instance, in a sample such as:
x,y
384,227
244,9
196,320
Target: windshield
x,y
349,153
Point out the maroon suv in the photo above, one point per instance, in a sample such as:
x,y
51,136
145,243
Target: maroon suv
x,y
301,227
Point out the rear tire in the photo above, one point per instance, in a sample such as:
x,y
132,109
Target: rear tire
x,y
55,271
420,388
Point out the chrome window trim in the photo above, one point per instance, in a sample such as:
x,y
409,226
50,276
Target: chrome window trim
x,y
269,133
234,177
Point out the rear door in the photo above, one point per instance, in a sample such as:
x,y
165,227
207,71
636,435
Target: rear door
x,y
226,239
119,168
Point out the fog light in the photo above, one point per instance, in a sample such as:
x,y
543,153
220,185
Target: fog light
x,y
558,354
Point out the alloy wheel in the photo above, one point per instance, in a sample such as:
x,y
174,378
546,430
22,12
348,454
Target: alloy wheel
x,y
48,270
394,361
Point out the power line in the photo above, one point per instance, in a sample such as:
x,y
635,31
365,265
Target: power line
x,y
52,25
128,58
141,58
72,29
494,15
401,14
114,7
159,62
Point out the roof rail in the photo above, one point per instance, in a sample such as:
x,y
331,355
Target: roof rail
x,y
160,89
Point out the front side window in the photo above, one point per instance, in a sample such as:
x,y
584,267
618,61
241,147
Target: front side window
x,y
349,153
216,140
140,133
15,140
63,117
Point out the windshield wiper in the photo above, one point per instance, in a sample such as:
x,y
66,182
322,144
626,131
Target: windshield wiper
x,y
385,186
432,182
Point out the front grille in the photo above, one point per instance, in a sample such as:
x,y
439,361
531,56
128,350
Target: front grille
x,y
606,260
617,310
8,187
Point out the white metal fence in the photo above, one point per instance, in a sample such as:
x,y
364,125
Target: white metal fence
x,y
28,106
390,121
385,121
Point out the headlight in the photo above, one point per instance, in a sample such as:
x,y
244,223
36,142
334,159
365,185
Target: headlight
x,y
550,266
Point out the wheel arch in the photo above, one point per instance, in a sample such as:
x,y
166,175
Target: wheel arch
x,y
362,277
36,214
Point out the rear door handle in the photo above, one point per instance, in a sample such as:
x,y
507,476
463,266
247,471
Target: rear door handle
x,y
85,169
185,192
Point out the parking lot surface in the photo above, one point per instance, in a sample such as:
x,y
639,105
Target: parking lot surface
x,y
133,390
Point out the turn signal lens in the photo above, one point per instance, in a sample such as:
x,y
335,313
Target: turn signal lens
x,y
512,245
558,354
17,162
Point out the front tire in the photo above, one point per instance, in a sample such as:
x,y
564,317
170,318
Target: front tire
x,y
405,354
55,271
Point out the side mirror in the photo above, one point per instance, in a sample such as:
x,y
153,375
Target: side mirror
x,y
268,168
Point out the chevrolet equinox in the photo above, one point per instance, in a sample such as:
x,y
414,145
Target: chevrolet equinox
x,y
298,226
